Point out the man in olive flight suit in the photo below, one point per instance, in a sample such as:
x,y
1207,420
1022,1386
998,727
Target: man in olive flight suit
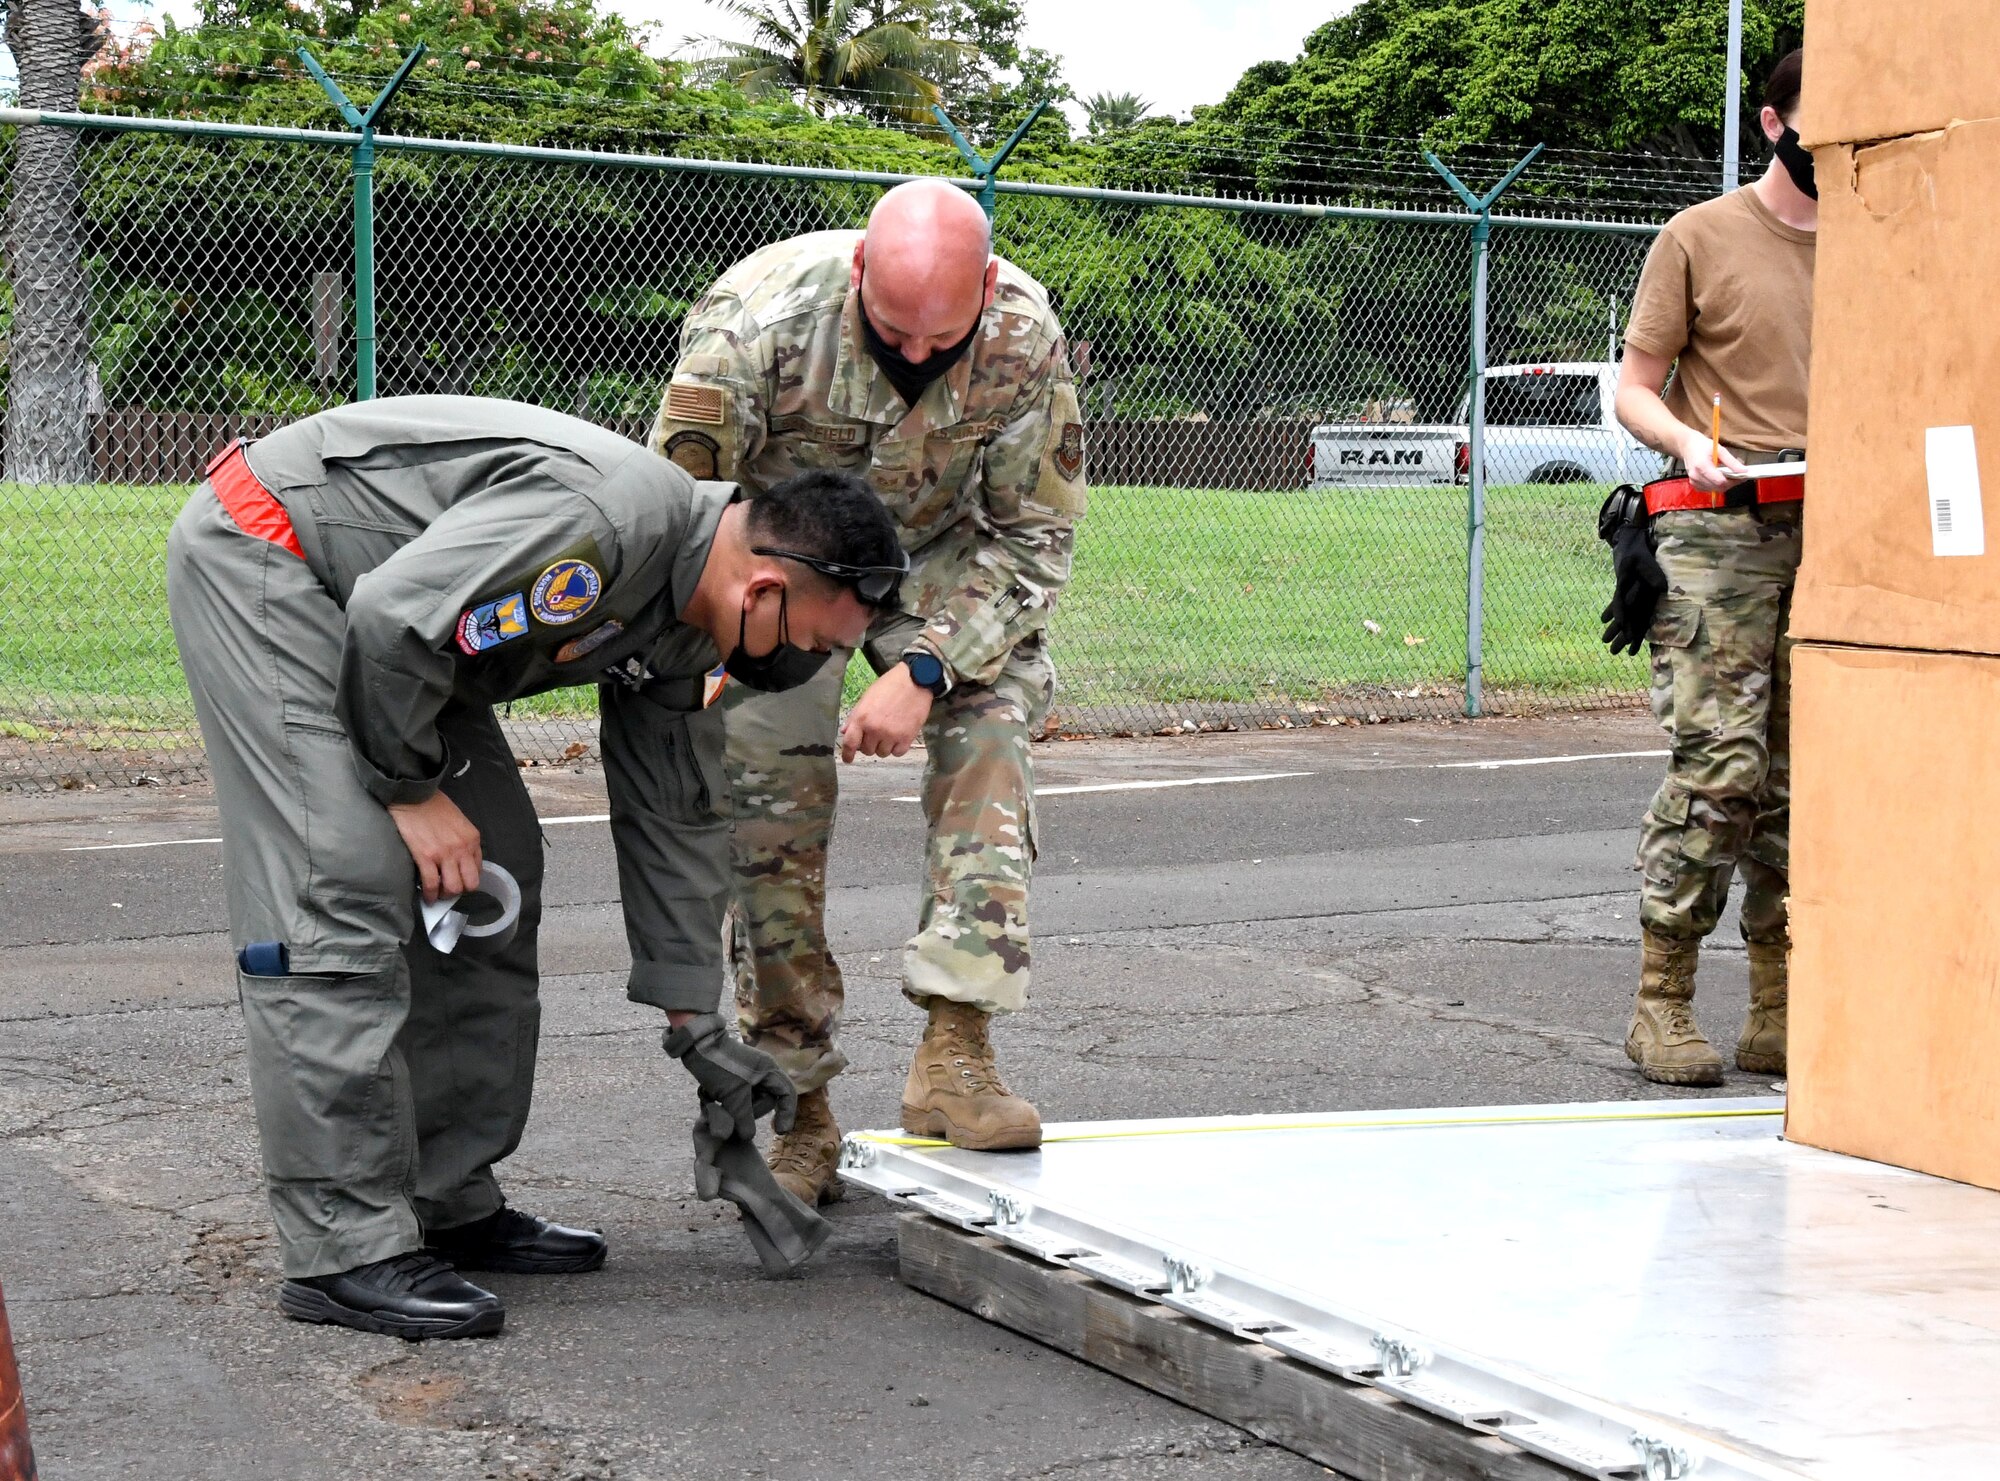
x,y
351,596
915,357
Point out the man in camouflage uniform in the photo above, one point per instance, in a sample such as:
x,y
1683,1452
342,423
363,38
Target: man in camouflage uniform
x,y
1725,303
916,355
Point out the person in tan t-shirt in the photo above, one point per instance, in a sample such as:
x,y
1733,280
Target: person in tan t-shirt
x,y
1725,304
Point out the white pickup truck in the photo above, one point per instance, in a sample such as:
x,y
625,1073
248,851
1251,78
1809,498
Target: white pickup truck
x,y
1385,454
1548,423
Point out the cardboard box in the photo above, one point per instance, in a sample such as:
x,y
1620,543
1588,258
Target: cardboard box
x,y
1906,297
1894,1049
1879,70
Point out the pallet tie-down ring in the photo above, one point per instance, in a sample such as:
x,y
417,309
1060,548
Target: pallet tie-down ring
x,y
1387,1123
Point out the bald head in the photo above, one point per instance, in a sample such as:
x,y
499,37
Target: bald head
x,y
925,268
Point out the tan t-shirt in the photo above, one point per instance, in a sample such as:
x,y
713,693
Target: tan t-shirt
x,y
1727,292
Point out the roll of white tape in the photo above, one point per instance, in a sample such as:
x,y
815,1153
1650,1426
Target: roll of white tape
x,y
445,925
505,891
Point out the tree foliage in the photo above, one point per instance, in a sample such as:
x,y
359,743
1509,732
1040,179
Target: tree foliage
x,y
496,67
993,80
1115,113
873,56
1602,74
566,285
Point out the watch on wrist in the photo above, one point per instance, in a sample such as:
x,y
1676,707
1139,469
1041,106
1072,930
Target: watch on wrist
x,y
927,670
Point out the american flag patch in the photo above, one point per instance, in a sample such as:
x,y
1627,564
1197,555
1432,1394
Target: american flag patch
x,y
687,402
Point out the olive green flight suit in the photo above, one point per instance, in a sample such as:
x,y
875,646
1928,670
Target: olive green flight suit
x,y
458,553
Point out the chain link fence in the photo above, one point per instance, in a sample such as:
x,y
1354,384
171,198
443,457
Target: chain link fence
x,y
1276,398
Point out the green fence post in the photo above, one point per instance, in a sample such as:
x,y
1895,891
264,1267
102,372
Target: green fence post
x,y
984,170
363,121
1475,502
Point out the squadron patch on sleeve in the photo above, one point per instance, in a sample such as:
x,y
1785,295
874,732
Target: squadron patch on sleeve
x,y
1069,450
564,592
492,623
689,401
697,453
1060,485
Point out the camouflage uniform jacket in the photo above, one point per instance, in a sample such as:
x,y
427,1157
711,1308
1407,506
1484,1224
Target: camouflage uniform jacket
x,y
983,476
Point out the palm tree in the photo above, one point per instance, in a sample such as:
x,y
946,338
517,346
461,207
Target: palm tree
x,y
834,54
1114,113
48,407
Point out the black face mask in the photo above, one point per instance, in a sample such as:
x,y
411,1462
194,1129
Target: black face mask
x,y
1798,162
784,667
911,380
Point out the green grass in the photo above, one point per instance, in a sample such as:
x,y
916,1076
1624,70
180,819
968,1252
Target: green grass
x,y
1180,596
1203,595
84,640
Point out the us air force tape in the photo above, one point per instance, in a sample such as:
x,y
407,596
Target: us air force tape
x,y
446,926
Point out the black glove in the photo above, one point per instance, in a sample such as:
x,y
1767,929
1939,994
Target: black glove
x,y
1639,583
740,1083
782,1230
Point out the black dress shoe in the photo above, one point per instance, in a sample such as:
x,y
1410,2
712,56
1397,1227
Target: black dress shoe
x,y
412,1296
517,1243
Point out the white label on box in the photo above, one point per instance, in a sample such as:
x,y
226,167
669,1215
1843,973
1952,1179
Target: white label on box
x,y
1951,460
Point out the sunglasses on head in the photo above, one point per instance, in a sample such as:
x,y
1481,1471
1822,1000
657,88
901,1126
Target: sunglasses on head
x,y
878,586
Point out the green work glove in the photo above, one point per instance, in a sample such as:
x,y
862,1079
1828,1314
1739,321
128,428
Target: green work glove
x,y
781,1229
739,1084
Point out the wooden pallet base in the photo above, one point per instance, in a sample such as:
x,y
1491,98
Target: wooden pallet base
x,y
1356,1430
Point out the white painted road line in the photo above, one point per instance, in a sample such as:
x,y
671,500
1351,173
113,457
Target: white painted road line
x,y
98,848
1192,781
1540,760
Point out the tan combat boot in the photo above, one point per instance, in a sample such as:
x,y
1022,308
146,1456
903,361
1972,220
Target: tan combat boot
x,y
1761,1050
1664,1040
804,1159
955,1092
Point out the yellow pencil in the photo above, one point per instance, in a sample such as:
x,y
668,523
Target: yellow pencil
x,y
1715,430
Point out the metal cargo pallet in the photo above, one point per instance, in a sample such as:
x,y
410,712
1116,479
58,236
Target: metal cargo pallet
x,y
1621,1290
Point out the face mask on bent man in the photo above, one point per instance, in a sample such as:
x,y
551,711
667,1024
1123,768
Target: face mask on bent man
x,y
911,378
786,666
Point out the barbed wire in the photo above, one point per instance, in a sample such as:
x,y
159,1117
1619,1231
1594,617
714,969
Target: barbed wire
x,y
1283,162
1226,160
133,25
1413,192
1332,150
324,44
1331,144
1365,195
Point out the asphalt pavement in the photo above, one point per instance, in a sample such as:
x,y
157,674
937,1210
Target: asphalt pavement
x,y
1386,916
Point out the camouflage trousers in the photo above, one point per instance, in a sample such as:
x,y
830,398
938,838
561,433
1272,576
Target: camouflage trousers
x,y
971,943
1721,689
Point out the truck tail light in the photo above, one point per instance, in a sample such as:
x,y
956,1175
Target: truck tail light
x,y
1461,460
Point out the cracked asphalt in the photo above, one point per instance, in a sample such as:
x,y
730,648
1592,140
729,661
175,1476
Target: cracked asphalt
x,y
1395,928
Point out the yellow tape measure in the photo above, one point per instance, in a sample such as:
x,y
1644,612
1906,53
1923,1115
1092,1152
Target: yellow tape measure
x,y
1558,1118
